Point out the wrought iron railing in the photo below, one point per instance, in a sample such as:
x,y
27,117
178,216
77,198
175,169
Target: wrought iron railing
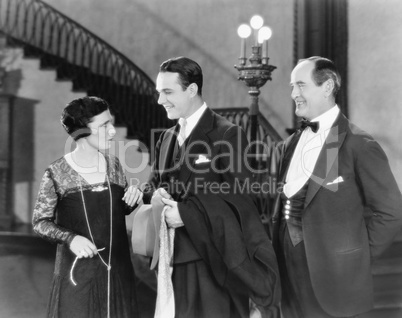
x,y
98,69
93,65
267,157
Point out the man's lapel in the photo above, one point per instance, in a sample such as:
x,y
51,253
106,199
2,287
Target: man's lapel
x,y
328,159
167,149
287,157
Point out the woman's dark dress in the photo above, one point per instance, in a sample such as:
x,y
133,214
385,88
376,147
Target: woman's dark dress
x,y
59,216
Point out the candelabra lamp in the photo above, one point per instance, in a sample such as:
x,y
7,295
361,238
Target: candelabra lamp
x,y
258,71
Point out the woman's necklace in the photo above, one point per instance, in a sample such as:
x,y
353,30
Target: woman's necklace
x,y
108,264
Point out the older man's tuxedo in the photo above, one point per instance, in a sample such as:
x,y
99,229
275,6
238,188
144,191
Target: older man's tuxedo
x,y
222,255
351,180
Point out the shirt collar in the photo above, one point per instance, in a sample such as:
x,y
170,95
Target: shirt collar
x,y
194,118
327,119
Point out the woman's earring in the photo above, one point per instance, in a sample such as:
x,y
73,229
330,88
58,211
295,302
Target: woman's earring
x,y
112,132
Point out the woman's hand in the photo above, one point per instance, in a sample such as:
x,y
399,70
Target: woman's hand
x,y
82,247
132,196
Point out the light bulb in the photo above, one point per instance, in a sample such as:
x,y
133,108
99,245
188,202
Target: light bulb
x,y
244,31
256,22
264,33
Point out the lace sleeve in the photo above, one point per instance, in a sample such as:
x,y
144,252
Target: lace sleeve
x,y
44,214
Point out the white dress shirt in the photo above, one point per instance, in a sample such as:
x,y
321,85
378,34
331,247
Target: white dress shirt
x,y
193,120
307,151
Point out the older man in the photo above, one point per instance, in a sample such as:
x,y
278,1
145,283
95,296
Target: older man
x,y
334,174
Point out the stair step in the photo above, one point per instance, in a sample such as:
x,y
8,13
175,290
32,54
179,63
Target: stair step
x,y
49,62
387,284
383,313
12,243
388,300
84,79
395,250
386,266
32,52
68,71
12,43
387,276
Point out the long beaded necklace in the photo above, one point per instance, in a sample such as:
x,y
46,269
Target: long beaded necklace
x,y
108,264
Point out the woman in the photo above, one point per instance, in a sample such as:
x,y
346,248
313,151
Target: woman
x,y
82,205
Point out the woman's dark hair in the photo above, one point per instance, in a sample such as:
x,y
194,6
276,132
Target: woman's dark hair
x,y
324,70
189,71
79,112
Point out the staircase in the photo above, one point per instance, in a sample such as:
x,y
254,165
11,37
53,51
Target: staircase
x,y
93,66
387,275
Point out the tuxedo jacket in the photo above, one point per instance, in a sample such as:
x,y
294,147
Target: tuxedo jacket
x,y
352,211
210,183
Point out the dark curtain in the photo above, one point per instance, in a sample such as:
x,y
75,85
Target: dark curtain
x,y
321,28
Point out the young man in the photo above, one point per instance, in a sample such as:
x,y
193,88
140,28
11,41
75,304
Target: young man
x,y
222,255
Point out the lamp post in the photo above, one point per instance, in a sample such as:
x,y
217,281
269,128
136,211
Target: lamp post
x,y
256,73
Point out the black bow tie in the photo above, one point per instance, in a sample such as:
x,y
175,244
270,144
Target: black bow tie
x,y
312,124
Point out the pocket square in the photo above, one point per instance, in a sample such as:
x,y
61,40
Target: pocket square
x,y
337,180
202,159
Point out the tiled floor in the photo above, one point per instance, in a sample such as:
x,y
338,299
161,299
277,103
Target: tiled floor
x,y
26,268
24,285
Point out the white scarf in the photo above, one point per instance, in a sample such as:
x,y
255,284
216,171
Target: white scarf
x,y
165,307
